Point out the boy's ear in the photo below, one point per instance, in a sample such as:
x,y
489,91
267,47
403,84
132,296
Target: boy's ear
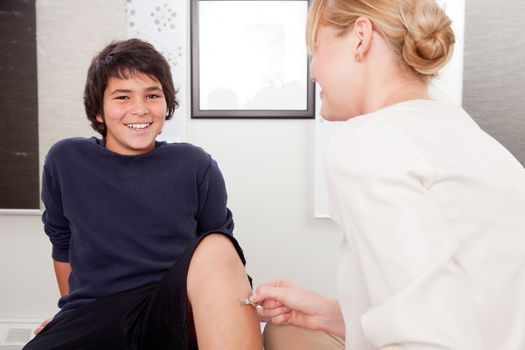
x,y
99,118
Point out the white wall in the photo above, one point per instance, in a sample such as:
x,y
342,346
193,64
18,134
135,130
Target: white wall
x,y
27,282
268,166
269,170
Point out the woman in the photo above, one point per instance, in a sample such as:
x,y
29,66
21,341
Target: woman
x,y
432,254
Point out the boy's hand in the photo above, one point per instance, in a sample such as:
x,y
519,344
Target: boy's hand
x,y
42,326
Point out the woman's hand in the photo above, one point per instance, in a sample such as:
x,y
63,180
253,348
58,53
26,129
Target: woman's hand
x,y
286,303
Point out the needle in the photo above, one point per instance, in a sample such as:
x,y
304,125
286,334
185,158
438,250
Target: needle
x,y
247,301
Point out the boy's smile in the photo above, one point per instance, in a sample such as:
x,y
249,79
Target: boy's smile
x,y
134,113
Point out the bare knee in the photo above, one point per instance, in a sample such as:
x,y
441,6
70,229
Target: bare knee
x,y
217,281
215,248
215,261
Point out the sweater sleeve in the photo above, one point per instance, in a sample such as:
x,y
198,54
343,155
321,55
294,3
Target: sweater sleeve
x,y
404,246
213,214
56,224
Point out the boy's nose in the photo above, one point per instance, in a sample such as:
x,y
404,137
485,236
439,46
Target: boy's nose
x,y
139,109
140,113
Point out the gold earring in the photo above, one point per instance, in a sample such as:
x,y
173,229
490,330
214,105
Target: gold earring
x,y
357,57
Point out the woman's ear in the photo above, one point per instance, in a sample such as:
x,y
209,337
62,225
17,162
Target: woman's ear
x,y
99,118
363,31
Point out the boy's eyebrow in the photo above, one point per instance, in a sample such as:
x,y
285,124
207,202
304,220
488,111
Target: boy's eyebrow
x,y
154,88
124,91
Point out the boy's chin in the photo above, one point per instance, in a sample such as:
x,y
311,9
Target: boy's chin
x,y
144,147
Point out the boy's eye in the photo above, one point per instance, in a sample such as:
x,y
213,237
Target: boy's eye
x,y
153,96
121,97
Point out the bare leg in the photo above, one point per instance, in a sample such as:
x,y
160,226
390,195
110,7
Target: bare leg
x,y
217,282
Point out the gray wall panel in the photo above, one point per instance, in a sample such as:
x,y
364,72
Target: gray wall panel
x,y
494,71
18,106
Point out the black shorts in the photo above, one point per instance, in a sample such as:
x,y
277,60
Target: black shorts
x,y
152,317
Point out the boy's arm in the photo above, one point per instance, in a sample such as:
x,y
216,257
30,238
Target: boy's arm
x,y
213,214
62,271
56,224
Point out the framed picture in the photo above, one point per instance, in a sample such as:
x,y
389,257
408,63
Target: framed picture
x,y
249,59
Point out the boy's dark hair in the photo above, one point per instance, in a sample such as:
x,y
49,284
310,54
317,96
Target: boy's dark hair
x,y
122,59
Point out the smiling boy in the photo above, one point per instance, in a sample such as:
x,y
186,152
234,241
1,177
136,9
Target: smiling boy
x,y
132,133
142,238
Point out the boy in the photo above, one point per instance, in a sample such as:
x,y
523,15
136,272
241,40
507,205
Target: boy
x,y
142,238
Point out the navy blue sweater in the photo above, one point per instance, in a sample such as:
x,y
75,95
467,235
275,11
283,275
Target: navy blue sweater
x,y
122,221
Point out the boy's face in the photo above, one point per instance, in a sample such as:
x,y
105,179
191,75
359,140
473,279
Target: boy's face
x,y
134,113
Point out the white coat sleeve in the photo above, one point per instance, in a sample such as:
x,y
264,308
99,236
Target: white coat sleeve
x,y
405,246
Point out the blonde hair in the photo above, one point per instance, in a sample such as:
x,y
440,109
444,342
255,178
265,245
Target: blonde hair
x,y
419,30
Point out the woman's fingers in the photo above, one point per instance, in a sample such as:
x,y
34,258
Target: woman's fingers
x,y
267,293
276,296
279,283
261,316
266,315
282,302
268,304
271,313
282,319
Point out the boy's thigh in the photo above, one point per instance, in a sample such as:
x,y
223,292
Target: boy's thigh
x,y
137,319
105,323
81,331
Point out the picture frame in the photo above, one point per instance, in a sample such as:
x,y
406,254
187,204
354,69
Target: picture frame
x,y
19,145
249,60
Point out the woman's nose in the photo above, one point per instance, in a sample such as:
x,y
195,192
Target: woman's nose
x,y
313,69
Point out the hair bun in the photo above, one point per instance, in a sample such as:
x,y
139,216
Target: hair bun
x,y
429,38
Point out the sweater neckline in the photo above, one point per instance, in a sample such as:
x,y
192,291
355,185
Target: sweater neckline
x,y
102,144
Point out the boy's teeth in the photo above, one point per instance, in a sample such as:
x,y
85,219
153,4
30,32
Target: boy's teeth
x,y
138,126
